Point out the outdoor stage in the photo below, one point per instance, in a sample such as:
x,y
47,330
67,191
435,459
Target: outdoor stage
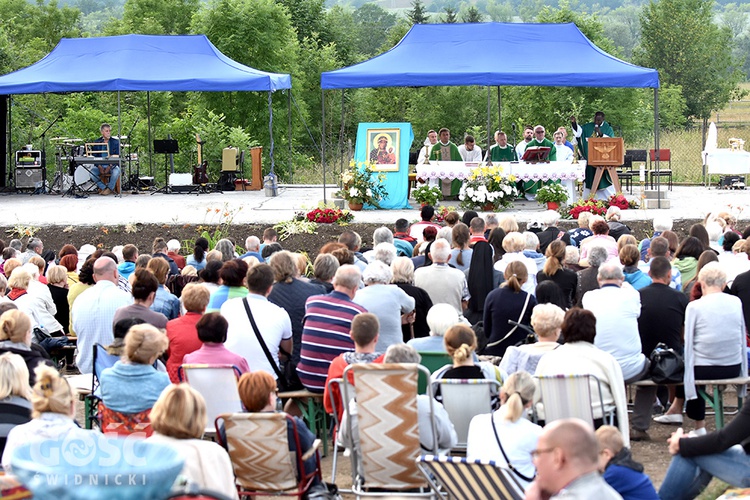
x,y
691,202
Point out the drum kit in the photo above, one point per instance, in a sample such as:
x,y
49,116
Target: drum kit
x,y
74,174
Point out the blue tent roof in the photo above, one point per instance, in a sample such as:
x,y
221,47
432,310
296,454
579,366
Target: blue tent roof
x,y
139,63
548,55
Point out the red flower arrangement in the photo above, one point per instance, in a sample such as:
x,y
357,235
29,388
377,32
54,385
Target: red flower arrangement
x,y
329,215
442,211
596,207
619,201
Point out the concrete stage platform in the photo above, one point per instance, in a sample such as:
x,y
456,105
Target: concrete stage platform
x,y
687,202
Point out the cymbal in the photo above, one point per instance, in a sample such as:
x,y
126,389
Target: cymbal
x,y
54,139
120,137
72,140
124,145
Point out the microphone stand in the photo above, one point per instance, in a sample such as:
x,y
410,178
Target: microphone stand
x,y
44,153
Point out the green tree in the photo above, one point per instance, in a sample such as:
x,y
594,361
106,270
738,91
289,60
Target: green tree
x,y
258,33
472,15
500,12
682,41
308,18
152,17
450,15
417,14
343,31
373,23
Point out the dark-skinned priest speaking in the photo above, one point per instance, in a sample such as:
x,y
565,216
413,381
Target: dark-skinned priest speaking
x,y
598,128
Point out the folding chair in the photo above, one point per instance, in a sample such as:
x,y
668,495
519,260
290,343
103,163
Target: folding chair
x,y
433,361
218,386
463,400
258,447
101,360
388,429
574,396
125,424
335,395
461,479
658,156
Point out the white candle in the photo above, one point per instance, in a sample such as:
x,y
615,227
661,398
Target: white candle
x,y
643,172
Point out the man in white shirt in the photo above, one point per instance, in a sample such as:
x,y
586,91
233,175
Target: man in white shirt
x,y
94,310
469,151
444,284
430,141
617,309
272,321
528,135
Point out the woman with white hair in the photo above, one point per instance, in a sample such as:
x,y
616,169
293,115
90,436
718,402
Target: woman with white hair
x,y
439,318
715,345
387,302
15,394
616,228
546,320
514,244
403,277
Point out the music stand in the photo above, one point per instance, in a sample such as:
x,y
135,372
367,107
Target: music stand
x,y
166,147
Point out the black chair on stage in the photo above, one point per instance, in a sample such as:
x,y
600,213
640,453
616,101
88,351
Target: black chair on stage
x,y
625,172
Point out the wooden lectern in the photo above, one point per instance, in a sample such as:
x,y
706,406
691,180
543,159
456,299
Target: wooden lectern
x,y
606,154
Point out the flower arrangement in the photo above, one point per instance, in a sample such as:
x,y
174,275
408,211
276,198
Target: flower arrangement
x,y
487,186
441,212
361,186
619,201
326,215
427,195
596,207
552,193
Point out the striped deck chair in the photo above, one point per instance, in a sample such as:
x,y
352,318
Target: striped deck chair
x,y
573,396
258,447
386,397
462,479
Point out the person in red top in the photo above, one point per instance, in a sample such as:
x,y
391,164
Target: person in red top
x,y
365,332
182,333
401,231
173,251
212,331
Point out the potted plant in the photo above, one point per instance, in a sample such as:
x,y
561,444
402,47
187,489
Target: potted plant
x,y
553,194
488,189
360,186
427,195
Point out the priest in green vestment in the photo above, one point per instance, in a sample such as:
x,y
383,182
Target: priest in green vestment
x,y
597,128
502,151
445,150
530,187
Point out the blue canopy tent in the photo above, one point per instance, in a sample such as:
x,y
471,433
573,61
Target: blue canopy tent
x,y
411,63
141,63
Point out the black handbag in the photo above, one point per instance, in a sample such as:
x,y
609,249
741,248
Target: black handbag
x,y
287,380
667,365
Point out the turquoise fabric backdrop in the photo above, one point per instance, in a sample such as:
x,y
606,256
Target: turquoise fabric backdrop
x,y
396,183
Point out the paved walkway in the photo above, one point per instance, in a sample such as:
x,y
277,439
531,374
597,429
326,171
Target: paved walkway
x,y
250,207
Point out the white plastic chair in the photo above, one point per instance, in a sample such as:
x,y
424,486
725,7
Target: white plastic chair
x,y
463,399
574,396
218,386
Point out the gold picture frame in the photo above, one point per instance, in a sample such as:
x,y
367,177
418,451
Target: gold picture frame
x,y
383,156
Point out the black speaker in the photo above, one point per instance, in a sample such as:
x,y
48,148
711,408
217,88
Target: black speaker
x,y
29,177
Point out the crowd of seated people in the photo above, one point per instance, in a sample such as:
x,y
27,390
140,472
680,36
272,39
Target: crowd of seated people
x,y
263,312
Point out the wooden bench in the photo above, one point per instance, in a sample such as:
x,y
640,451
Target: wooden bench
x,y
715,399
313,411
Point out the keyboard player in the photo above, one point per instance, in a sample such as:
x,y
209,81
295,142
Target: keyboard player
x,y
113,170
